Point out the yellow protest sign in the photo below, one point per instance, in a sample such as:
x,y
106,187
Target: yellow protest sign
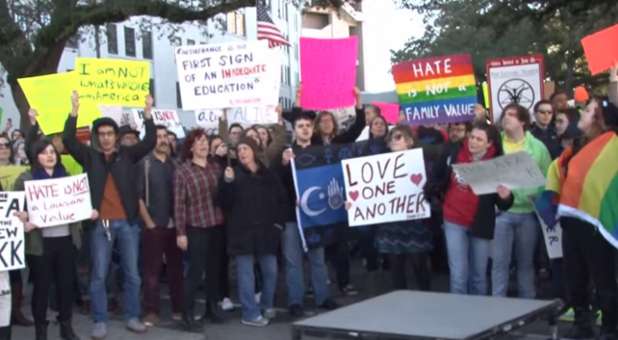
x,y
50,95
111,81
71,165
9,173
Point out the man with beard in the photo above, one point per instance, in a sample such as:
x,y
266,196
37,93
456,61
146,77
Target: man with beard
x,y
156,208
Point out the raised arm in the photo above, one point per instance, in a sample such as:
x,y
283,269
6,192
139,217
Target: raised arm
x,y
33,134
141,149
79,151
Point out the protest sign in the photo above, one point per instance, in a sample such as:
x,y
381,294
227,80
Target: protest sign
x,y
546,208
121,116
168,118
50,95
436,89
57,201
11,231
245,116
515,171
5,299
389,111
601,49
515,80
227,75
111,82
328,71
318,181
385,188
9,173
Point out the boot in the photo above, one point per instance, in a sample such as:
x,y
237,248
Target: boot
x,y
17,316
188,322
214,313
40,331
66,331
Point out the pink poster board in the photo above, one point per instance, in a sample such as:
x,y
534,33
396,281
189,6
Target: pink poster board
x,y
389,111
328,72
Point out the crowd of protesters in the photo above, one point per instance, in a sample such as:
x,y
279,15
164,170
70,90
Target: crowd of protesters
x,y
192,210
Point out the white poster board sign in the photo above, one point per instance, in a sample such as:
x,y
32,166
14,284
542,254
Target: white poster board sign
x,y
168,118
11,231
515,80
237,74
385,188
58,201
245,116
5,299
515,171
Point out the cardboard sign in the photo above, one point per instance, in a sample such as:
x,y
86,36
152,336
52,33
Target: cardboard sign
x,y
168,118
515,171
209,119
121,116
328,72
50,95
58,201
515,80
228,75
386,188
389,111
436,90
9,173
115,82
601,49
11,231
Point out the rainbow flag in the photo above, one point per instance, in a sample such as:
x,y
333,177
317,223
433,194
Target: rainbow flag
x,y
591,190
436,89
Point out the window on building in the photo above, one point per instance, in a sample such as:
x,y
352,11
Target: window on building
x,y
147,44
236,23
112,39
190,42
178,98
129,41
315,20
279,6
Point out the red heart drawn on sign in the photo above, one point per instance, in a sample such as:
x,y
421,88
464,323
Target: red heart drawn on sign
x,y
353,195
416,178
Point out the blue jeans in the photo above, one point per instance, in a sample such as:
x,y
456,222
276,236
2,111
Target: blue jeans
x,y
294,270
126,236
246,284
516,234
467,260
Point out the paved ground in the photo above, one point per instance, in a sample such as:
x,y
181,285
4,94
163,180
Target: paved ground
x,y
369,285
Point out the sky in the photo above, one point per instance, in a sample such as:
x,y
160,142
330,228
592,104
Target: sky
x,y
393,27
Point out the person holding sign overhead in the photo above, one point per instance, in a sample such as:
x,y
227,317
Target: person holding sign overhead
x,y
516,231
254,201
112,178
469,220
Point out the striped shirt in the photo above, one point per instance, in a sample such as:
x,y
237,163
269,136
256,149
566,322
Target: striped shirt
x,y
195,190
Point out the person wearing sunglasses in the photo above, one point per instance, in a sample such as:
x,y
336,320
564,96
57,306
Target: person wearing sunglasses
x,y
543,127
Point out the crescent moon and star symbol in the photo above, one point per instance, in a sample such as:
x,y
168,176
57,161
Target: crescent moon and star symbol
x,y
304,201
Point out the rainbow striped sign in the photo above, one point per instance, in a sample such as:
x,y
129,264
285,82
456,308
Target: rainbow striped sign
x,y
436,89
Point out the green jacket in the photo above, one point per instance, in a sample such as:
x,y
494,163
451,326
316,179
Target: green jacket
x,y
34,239
539,153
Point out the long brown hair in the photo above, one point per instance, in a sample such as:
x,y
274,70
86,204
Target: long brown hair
x,y
319,118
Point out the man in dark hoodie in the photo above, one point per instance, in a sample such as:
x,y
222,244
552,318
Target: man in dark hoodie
x,y
113,192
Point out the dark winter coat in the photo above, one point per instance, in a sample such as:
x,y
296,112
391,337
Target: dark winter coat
x,y
255,207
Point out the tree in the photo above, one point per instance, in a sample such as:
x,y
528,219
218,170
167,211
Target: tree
x,y
496,28
33,33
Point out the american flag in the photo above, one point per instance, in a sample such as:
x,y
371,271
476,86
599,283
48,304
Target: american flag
x,y
266,28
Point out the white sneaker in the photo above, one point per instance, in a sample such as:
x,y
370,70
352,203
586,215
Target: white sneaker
x,y
259,322
226,304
